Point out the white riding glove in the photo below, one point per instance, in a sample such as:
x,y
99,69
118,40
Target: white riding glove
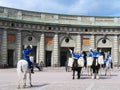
x,y
31,46
25,46
70,50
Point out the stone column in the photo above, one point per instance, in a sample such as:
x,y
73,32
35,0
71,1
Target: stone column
x,y
0,46
55,53
18,46
4,47
38,50
115,49
42,48
92,41
78,43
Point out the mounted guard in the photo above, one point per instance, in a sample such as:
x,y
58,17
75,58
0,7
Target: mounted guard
x,y
95,65
76,62
26,52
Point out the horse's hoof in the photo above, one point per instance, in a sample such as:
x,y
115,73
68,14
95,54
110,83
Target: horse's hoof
x,y
92,77
18,87
78,78
73,78
24,86
97,77
31,85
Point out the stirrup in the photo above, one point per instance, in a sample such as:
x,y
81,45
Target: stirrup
x,y
32,70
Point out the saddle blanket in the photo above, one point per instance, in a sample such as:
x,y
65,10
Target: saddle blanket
x,y
80,62
70,62
89,61
100,60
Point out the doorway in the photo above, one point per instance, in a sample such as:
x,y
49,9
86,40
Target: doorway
x,y
10,58
64,55
63,58
48,58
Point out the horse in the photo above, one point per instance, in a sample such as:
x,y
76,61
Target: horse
x,y
22,70
88,66
95,68
101,62
77,66
108,67
67,68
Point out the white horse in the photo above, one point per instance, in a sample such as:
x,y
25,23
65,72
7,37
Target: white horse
x,y
22,70
89,64
108,67
101,62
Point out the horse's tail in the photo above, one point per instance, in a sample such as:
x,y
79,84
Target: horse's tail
x,y
21,69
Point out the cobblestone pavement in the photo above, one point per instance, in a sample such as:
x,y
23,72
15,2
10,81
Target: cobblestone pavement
x,y
59,79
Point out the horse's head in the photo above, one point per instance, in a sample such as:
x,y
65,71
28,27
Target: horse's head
x,y
31,58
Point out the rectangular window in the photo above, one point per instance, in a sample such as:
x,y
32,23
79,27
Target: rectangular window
x,y
11,37
49,40
85,41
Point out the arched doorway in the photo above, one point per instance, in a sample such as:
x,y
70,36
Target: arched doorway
x,y
104,45
64,50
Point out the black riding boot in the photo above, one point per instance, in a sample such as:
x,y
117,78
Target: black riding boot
x,y
112,65
32,70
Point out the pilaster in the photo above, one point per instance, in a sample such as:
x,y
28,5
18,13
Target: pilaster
x,y
42,48
78,43
92,41
4,47
55,54
18,46
115,49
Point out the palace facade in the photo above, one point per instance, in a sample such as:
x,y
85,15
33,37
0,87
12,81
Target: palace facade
x,y
47,32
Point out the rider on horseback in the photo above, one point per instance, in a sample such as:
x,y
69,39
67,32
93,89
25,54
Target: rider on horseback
x,y
95,55
75,65
95,65
109,58
75,55
26,57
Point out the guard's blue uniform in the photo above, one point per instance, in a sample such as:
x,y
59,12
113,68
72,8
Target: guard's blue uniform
x,y
81,55
90,54
108,56
99,53
75,55
95,54
25,53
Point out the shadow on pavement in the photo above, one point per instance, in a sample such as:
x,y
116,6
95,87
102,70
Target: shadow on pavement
x,y
42,85
36,86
